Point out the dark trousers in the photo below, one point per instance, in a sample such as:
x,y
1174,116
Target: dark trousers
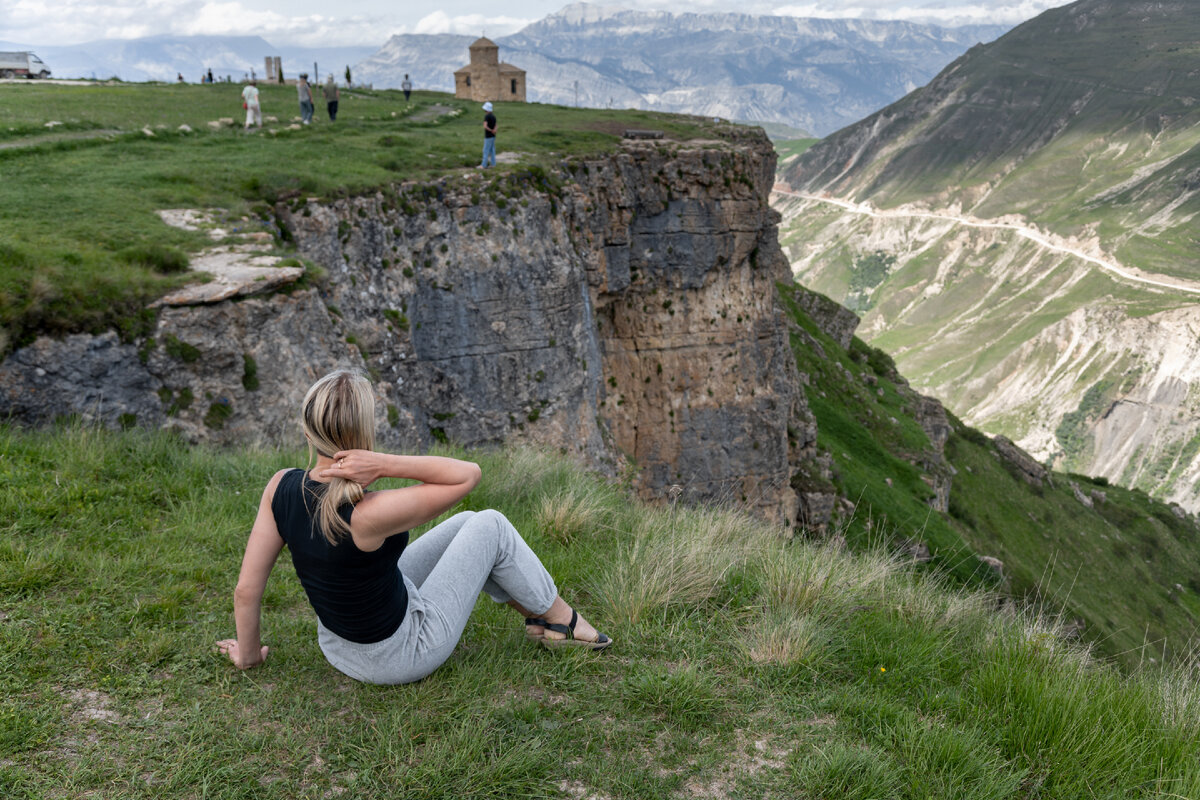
x,y
406,93
331,107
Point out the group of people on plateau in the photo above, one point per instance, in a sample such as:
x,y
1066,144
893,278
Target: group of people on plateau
x,y
253,107
388,610
330,92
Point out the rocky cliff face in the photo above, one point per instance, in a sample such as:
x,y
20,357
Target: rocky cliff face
x,y
622,307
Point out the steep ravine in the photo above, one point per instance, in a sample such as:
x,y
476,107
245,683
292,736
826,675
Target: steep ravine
x,y
1084,368
620,307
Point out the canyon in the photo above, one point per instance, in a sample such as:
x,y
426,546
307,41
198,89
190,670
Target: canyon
x,y
620,307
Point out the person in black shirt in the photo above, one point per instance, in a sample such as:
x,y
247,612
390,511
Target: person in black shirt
x,y
387,611
489,137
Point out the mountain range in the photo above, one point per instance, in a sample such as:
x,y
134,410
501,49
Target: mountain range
x,y
812,76
161,58
1020,235
816,75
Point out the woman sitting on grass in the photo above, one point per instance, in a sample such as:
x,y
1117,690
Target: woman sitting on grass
x,y
387,611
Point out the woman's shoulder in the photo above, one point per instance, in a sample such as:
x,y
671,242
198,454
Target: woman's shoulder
x,y
284,477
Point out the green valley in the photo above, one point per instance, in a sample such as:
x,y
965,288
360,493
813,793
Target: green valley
x,y
960,622
1038,199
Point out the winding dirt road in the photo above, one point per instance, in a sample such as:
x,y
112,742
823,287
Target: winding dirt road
x,y
1047,241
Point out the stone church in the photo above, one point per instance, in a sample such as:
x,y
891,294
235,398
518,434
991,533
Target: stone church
x,y
487,78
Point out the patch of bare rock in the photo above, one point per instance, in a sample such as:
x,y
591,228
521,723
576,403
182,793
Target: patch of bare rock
x,y
234,270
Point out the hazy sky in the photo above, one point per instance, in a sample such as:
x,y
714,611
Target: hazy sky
x,y
371,22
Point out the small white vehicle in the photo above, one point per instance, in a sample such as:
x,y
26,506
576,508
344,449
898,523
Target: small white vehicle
x,y
22,64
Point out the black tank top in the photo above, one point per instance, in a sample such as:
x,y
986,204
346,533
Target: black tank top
x,y
359,596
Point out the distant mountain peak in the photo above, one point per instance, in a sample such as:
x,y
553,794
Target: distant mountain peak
x,y
588,13
815,75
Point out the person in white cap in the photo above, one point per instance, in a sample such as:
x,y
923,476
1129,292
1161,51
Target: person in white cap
x,y
489,137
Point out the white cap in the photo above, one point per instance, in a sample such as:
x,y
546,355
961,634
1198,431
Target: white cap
x,y
487,106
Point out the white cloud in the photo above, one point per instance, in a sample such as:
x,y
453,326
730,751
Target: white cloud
x,y
441,22
74,21
1006,12
358,22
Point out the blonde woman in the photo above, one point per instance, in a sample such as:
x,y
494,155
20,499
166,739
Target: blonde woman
x,y
388,611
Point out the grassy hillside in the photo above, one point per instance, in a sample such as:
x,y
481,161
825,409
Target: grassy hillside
x,y
788,150
1081,126
1083,119
1124,567
73,251
744,665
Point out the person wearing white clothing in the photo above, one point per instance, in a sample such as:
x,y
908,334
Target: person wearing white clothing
x,y
250,101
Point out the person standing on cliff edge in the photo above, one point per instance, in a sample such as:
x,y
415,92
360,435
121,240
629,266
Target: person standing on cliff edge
x,y
489,137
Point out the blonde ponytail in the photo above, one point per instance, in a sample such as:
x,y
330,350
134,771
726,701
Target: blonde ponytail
x,y
338,413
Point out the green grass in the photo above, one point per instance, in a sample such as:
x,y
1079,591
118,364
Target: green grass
x,y
744,665
1123,568
866,425
66,240
789,148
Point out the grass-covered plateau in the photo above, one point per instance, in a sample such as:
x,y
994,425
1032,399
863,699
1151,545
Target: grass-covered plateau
x,y
78,200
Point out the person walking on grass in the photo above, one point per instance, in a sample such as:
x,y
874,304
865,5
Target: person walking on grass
x,y
306,99
330,90
489,137
250,103
406,87
388,611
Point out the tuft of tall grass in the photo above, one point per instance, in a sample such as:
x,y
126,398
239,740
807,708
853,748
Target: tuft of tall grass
x,y
785,638
570,512
685,696
158,257
802,579
678,558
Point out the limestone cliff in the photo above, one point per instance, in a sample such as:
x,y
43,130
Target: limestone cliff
x,y
621,307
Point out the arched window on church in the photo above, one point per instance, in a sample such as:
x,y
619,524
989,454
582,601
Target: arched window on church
x,y
514,85
468,80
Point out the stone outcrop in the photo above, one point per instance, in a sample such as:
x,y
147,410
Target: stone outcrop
x,y
230,373
1022,463
930,414
835,320
621,307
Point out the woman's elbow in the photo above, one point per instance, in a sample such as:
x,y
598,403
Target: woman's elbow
x,y
474,475
244,595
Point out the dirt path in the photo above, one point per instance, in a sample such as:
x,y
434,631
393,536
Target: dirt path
x,y
431,113
55,81
66,136
1047,241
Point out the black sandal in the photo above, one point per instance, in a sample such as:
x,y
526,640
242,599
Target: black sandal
x,y
535,621
569,640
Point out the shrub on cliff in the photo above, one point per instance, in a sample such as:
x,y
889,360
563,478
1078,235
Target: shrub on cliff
x,y
160,258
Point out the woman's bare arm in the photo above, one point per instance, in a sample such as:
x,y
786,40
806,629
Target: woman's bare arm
x,y
443,482
262,549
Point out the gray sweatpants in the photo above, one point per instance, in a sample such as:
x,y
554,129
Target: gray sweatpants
x,y
444,571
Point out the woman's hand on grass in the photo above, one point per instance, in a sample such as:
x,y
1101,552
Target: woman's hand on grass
x,y
230,648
